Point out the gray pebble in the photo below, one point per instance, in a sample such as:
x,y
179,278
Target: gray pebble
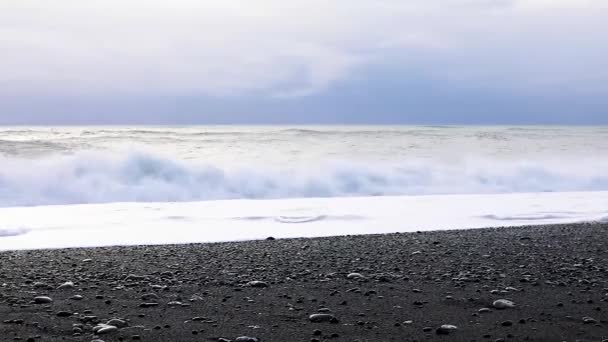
x,y
320,318
446,329
503,304
42,300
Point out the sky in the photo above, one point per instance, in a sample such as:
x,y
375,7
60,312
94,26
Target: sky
x,y
303,61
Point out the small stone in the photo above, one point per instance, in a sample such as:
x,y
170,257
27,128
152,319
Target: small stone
x,y
104,329
149,296
320,318
246,339
42,300
355,276
257,283
64,314
446,329
501,304
77,297
66,286
589,320
484,310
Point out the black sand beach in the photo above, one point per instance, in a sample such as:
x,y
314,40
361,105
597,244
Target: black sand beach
x,y
397,287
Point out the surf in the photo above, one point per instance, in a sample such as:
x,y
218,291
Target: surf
x,y
106,177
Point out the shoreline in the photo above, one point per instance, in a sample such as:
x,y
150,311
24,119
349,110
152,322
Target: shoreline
x,y
389,287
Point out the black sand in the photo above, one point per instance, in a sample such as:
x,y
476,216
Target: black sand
x,y
412,284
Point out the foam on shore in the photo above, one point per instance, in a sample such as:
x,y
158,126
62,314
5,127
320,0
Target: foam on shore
x,y
211,221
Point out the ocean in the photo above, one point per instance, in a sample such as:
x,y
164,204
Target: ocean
x,y
94,186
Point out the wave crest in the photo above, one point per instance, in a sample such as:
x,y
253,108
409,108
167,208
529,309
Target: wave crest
x,y
140,177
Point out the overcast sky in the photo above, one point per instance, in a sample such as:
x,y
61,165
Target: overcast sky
x,y
303,61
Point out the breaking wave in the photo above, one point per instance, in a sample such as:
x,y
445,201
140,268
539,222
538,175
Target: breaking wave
x,y
140,177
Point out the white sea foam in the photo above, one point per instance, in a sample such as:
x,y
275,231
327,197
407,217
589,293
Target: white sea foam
x,y
101,177
162,223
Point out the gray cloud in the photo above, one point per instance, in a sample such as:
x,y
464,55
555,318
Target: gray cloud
x,y
71,54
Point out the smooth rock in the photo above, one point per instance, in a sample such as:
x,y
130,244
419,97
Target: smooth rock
x,y
589,320
246,339
323,317
68,285
503,304
446,329
104,329
355,276
42,300
257,283
119,323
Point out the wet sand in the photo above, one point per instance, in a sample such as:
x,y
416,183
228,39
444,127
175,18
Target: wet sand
x,y
395,287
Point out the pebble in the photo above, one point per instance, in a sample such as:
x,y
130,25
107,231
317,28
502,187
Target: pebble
x,y
446,329
148,296
119,323
66,286
104,329
322,317
42,300
589,320
501,304
257,283
355,276
246,339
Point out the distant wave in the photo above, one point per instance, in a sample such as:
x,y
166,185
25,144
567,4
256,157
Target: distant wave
x,y
140,132
414,131
139,177
15,147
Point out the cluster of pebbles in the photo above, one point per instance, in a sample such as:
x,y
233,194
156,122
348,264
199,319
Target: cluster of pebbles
x,y
544,283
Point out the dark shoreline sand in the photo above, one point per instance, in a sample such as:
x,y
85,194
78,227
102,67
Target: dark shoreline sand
x,y
556,275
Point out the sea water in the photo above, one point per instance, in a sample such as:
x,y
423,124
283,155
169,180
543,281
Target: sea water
x,y
93,186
